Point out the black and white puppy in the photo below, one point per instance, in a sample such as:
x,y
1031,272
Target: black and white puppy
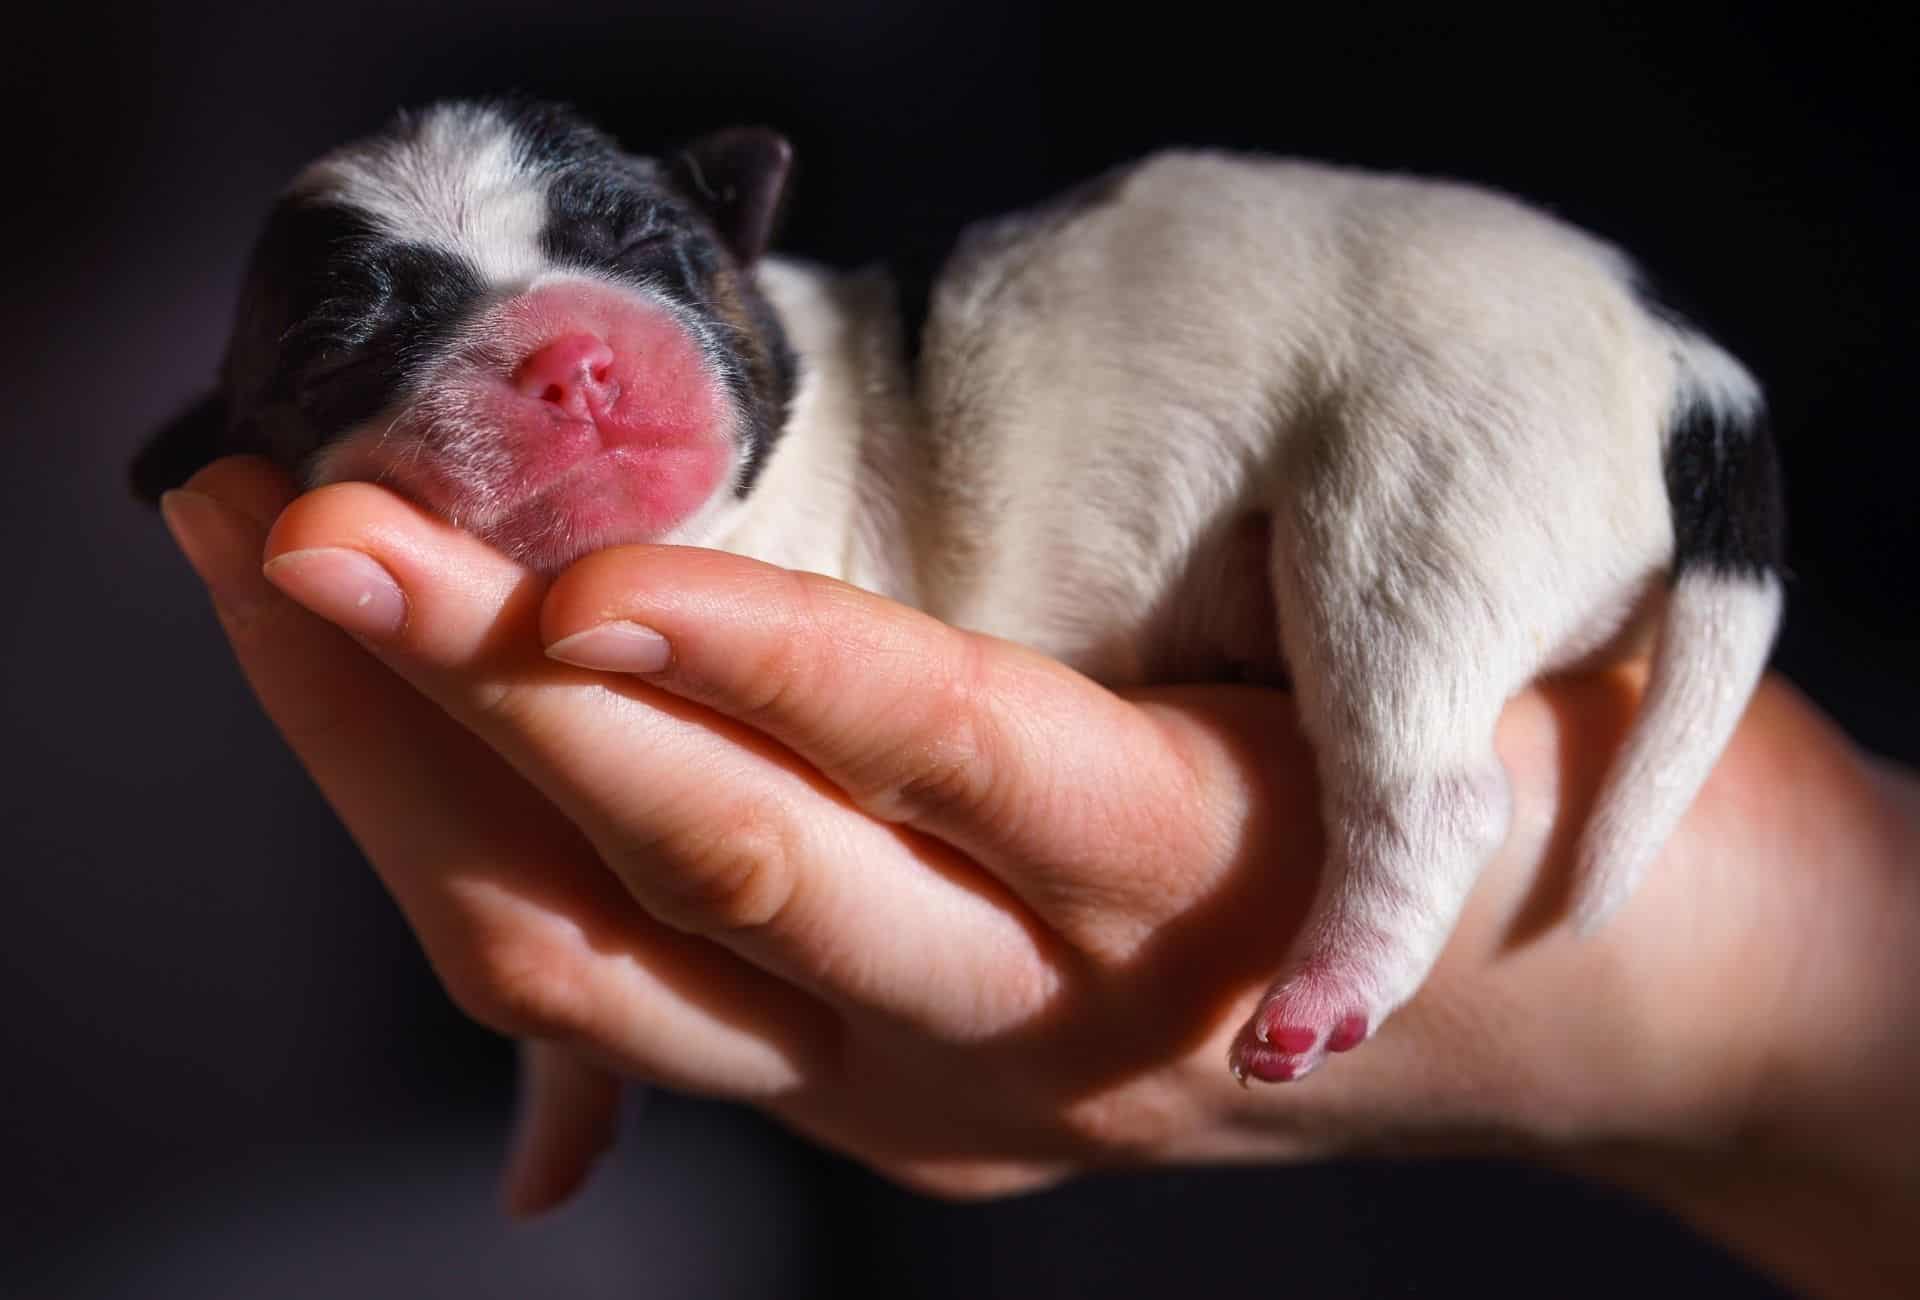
x,y
1408,443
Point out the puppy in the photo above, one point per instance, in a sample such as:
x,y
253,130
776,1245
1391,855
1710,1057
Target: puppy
x,y
1406,444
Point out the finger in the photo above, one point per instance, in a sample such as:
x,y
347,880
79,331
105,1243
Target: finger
x,y
569,1117
524,926
971,739
714,829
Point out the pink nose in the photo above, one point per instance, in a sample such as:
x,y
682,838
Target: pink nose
x,y
568,372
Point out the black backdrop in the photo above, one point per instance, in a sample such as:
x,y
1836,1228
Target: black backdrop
x,y
224,1069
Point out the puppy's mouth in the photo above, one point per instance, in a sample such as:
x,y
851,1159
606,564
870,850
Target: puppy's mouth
x,y
575,417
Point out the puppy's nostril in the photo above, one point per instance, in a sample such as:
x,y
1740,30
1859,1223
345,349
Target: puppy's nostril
x,y
564,371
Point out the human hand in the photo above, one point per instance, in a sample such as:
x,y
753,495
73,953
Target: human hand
x,y
945,905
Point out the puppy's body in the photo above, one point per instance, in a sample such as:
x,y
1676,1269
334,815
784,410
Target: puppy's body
x,y
1393,366
1408,444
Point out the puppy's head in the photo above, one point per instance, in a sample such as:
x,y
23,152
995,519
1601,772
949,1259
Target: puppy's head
x,y
494,310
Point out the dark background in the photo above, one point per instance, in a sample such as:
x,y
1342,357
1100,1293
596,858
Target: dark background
x,y
225,1069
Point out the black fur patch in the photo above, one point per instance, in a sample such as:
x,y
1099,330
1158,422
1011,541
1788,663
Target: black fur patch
x,y
549,135
773,407
333,318
1723,475
1723,482
918,264
616,220
915,269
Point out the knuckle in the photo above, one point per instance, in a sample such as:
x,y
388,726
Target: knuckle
x,y
948,768
773,682
499,699
522,988
1131,1123
738,877
782,667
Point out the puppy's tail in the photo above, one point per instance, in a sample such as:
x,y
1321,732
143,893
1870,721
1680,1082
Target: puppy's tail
x,y
1723,481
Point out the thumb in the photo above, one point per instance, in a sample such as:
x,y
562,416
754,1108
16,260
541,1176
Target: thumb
x,y
569,1117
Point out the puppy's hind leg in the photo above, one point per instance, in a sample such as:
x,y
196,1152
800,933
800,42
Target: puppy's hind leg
x,y
1401,705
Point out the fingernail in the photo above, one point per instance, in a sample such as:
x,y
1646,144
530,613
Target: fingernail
x,y
617,647
343,586
221,544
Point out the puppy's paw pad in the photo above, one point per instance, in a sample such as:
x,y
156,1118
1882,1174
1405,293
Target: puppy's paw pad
x,y
1252,1059
1348,1034
1294,1040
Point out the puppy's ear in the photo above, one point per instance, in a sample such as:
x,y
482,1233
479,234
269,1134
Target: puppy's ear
x,y
740,177
191,440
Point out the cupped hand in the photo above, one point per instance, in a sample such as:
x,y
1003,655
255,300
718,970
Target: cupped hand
x,y
944,904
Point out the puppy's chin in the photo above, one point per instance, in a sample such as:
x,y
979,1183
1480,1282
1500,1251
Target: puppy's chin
x,y
583,495
617,497
629,436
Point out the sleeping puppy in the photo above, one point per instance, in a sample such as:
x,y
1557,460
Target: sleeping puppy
x,y
1405,444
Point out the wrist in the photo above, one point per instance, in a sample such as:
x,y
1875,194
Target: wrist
x,y
1835,918
1817,1177
1750,1002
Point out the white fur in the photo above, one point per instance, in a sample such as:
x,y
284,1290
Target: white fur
x,y
1713,647
455,180
842,501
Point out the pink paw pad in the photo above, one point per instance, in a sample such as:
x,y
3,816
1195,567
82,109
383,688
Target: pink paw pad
x,y
1348,1034
1291,1039
1251,1060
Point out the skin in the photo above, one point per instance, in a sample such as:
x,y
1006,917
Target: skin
x,y
945,905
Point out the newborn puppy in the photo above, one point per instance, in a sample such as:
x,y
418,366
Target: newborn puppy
x,y
1407,444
